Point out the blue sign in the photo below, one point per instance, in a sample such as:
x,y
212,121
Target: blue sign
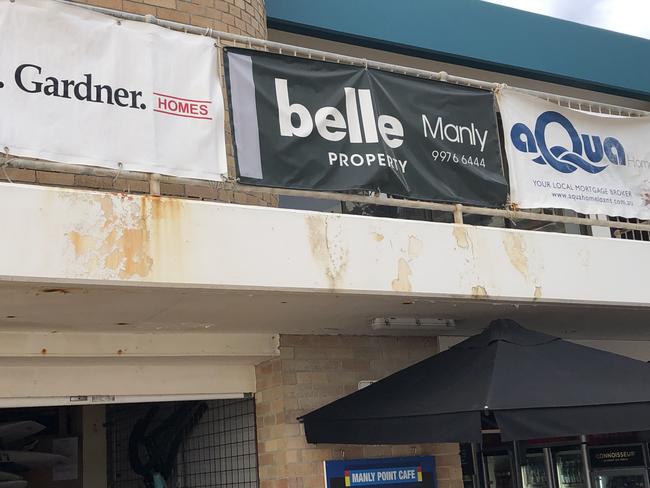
x,y
587,152
419,472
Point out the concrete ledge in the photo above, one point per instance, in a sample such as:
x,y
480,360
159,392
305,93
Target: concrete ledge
x,y
54,235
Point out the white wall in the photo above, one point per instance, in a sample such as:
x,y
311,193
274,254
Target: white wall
x,y
77,236
634,349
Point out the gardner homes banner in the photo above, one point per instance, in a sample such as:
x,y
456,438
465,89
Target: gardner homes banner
x,y
307,124
81,87
563,158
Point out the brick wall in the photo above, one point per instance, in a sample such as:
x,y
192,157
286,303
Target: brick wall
x,y
133,185
314,370
245,17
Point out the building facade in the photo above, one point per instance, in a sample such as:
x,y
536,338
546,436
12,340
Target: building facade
x,y
127,288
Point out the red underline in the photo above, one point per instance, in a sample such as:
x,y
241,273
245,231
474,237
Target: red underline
x,y
182,115
180,98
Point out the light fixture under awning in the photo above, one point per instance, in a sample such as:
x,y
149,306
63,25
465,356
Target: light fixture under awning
x,y
412,323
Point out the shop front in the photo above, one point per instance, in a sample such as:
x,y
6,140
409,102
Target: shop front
x,y
594,461
511,435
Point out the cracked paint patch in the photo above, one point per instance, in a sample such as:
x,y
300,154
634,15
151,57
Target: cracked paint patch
x,y
326,248
415,247
515,248
120,236
403,280
479,291
461,235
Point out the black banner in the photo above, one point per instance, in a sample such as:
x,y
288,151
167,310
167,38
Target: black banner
x,y
307,124
616,457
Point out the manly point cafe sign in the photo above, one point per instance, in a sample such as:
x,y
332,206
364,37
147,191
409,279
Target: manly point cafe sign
x,y
307,124
398,472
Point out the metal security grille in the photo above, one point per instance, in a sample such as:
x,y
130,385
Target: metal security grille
x,y
634,235
219,451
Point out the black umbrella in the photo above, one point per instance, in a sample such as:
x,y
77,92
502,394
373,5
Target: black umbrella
x,y
532,385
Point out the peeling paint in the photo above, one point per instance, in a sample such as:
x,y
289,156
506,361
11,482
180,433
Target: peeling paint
x,y
462,236
515,248
167,234
325,245
479,291
129,254
415,247
82,243
123,234
403,280
538,293
377,236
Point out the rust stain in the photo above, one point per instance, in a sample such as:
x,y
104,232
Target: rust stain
x,y
54,291
329,255
166,235
81,243
125,248
128,255
61,291
415,247
378,237
162,209
128,235
461,236
538,293
516,251
403,280
106,204
479,291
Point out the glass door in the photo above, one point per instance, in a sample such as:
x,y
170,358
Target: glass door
x,y
569,469
534,473
499,470
621,478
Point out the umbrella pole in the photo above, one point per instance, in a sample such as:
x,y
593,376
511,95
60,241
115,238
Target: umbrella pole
x,y
519,482
585,460
480,480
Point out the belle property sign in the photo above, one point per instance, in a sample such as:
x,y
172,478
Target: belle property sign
x,y
306,124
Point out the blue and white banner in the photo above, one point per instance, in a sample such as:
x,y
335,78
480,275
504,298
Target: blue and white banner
x,y
564,158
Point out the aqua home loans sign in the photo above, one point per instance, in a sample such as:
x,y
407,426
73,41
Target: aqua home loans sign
x,y
415,471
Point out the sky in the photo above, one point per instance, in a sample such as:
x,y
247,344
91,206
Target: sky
x,y
627,16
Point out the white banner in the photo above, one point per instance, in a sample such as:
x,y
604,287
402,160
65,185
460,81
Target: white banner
x,y
85,88
564,158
